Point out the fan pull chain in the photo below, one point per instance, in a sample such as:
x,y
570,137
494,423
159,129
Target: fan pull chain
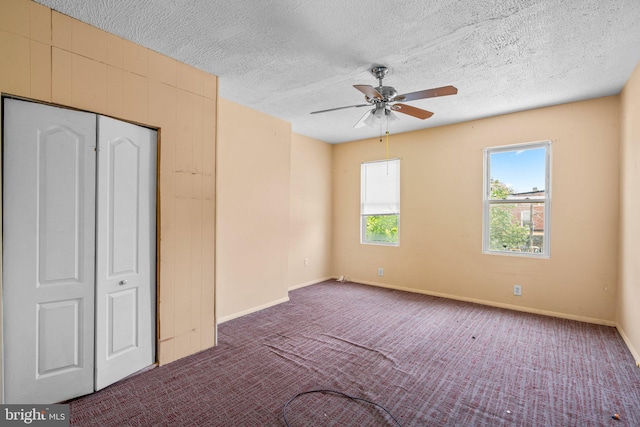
x,y
388,137
387,143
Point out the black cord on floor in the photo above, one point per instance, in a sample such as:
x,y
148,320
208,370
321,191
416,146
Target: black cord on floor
x,y
339,393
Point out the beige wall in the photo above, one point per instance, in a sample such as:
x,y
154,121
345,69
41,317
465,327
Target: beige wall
x,y
628,301
310,211
50,57
440,248
252,244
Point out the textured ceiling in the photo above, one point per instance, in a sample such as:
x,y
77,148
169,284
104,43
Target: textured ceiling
x,y
288,58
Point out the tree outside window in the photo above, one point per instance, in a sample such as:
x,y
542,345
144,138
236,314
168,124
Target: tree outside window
x,y
382,228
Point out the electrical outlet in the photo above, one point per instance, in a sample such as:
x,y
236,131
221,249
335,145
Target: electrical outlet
x,y
517,290
306,262
381,271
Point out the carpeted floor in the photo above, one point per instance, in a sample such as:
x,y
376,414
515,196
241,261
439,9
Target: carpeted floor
x,y
428,361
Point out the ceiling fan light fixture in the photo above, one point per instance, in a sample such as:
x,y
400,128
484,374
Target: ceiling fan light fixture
x,y
379,116
374,118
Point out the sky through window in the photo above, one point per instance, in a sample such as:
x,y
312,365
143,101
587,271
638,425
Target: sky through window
x,y
522,170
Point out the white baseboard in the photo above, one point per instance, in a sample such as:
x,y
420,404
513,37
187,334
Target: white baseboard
x,y
251,310
492,303
627,341
312,282
270,304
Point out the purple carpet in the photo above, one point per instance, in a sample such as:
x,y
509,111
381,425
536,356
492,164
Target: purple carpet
x,y
428,361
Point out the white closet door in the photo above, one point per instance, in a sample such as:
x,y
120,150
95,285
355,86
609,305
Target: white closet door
x,y
126,238
48,252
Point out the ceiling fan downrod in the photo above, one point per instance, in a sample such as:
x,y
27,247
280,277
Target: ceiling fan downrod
x,y
387,93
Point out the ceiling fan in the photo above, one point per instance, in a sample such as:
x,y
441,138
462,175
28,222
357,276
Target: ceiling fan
x,y
384,100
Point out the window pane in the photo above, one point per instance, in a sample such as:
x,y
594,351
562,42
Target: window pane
x,y
380,228
518,173
517,227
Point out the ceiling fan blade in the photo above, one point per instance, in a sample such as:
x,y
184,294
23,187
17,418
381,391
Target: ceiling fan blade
x,y
428,93
369,91
340,108
362,119
412,111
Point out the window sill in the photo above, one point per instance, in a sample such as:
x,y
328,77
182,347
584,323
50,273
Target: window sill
x,y
380,244
517,254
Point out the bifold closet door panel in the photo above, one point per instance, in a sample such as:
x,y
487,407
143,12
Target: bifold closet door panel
x,y
48,258
126,252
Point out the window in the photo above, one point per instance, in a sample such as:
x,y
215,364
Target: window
x,y
517,199
380,202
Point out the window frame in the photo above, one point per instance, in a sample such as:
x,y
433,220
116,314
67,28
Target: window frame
x,y
363,223
488,202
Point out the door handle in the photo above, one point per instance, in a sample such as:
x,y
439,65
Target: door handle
x,y
122,282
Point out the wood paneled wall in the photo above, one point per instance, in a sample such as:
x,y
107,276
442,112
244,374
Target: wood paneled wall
x,y
50,57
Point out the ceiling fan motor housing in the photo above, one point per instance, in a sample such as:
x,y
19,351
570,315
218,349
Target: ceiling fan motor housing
x,y
387,92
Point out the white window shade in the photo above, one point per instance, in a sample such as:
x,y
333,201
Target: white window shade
x,y
380,188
